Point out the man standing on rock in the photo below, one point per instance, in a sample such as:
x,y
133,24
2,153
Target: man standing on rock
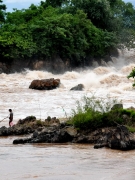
x,y
10,117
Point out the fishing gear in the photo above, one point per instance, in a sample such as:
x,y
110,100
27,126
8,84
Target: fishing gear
x,y
4,119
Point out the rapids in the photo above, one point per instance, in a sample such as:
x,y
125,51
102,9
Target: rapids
x,y
100,81
67,161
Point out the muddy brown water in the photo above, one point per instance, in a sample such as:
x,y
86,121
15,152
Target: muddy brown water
x,y
64,161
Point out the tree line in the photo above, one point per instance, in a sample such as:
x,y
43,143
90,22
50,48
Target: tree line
x,y
70,28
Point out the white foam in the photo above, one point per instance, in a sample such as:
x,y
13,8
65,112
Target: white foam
x,y
100,81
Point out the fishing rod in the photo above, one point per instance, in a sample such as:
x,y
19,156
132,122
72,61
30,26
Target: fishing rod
x,y
4,119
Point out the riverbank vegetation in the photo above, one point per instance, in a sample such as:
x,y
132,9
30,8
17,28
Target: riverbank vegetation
x,y
71,29
132,75
93,113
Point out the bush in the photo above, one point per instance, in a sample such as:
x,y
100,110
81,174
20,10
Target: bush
x,y
39,122
86,120
132,75
129,112
131,129
94,112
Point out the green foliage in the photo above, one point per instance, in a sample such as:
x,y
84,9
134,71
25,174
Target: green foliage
x,y
95,104
49,118
86,120
18,42
66,34
93,120
69,28
132,75
54,3
123,21
97,11
112,16
131,129
46,32
94,112
129,112
39,122
2,12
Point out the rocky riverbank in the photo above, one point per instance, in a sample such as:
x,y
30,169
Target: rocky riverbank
x,y
52,131
56,64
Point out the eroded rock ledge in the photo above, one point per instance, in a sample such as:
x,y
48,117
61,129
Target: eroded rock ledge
x,y
52,131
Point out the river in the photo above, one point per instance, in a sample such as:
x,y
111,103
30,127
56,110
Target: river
x,y
66,161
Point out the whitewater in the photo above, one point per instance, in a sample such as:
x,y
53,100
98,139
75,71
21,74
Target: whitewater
x,y
65,161
100,81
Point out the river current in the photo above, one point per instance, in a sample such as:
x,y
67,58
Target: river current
x,y
66,161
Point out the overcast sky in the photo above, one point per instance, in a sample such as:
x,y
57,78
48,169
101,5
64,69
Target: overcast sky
x,y
20,4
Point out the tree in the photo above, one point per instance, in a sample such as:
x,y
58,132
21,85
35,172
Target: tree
x,y
132,75
70,28
2,12
98,11
22,16
123,21
54,3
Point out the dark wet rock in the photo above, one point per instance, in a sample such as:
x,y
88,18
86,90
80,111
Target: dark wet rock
x,y
88,137
117,106
100,145
81,139
53,134
118,138
114,138
63,124
24,126
3,68
35,134
21,141
45,84
53,64
26,120
79,87
3,131
52,131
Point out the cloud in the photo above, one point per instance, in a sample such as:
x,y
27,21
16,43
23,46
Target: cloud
x,y
24,1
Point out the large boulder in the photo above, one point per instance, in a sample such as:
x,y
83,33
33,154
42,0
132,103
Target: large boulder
x,y
23,126
114,138
29,125
119,138
51,134
117,106
27,120
79,87
45,84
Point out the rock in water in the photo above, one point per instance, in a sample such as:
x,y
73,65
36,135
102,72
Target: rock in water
x,y
45,84
119,138
117,106
79,87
